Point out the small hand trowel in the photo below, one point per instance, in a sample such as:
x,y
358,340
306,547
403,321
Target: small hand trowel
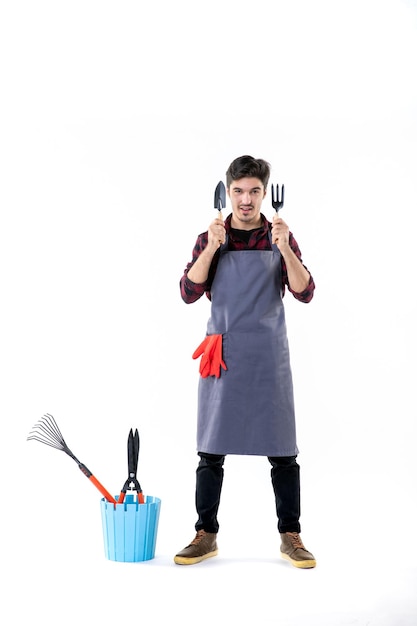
x,y
220,198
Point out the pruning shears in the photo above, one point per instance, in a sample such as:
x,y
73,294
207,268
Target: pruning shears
x,y
132,483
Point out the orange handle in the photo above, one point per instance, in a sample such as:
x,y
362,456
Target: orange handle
x,y
121,499
102,490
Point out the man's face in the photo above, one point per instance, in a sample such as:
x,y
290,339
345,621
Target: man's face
x,y
246,196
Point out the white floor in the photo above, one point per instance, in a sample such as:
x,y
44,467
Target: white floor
x,y
229,589
55,569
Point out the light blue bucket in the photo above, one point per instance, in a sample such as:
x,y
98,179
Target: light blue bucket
x,y
130,529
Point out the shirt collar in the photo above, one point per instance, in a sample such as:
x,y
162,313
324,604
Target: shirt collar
x,y
264,226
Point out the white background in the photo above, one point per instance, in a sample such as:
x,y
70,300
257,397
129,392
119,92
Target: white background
x,y
117,121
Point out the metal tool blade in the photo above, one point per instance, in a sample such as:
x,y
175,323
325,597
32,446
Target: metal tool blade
x,y
220,196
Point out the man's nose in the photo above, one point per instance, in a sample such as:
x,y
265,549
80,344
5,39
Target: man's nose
x,y
246,198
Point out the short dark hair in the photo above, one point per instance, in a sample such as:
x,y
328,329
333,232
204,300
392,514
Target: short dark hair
x,y
248,167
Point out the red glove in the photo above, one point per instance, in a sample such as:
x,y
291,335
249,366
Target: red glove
x,y
211,359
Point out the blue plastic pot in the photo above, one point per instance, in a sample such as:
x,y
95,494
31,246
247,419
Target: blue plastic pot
x,y
130,529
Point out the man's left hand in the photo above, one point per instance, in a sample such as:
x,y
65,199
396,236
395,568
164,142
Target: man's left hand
x,y
280,232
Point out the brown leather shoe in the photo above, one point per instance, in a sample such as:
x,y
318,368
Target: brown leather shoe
x,y
293,549
203,546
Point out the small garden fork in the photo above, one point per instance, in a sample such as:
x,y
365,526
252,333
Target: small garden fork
x,y
276,202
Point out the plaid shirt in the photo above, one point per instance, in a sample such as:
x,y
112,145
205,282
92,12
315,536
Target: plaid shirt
x,y
259,240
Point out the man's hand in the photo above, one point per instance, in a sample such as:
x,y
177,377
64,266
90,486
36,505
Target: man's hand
x,y
216,233
198,273
280,233
298,276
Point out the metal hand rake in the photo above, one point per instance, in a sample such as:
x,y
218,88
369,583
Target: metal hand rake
x,y
46,431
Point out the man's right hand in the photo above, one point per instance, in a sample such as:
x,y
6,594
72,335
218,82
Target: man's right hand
x,y
216,233
198,273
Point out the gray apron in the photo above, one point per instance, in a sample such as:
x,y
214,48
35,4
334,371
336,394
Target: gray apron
x,y
250,408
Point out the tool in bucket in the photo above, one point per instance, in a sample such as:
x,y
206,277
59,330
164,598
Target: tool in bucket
x,y
132,483
46,431
277,203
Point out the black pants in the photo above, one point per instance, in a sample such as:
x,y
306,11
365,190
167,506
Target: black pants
x,y
285,476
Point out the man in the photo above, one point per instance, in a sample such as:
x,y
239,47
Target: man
x,y
245,398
